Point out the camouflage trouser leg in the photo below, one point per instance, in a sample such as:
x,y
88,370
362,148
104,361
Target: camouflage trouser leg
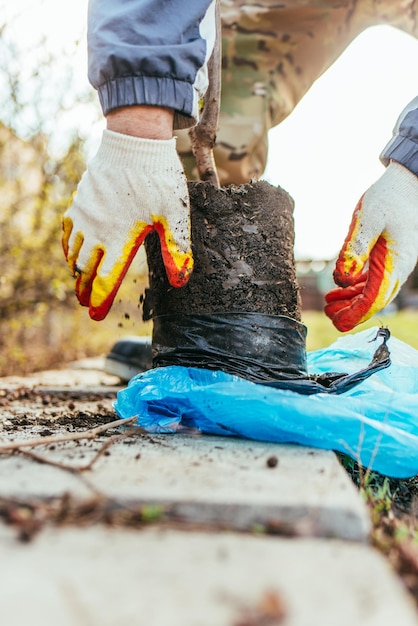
x,y
272,54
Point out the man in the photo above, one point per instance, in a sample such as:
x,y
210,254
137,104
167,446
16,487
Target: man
x,y
148,61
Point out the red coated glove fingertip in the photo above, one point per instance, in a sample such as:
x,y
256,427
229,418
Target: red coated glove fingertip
x,y
333,295
339,319
82,292
332,309
342,323
97,313
346,279
180,278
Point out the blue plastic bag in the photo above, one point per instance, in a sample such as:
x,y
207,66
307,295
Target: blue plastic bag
x,y
376,422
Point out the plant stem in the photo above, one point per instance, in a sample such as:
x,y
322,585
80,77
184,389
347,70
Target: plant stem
x,y
203,135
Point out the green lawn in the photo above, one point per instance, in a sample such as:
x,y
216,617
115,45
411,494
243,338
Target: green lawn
x,y
321,333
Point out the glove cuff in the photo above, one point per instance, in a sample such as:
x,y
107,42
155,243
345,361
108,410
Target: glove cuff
x,y
125,151
403,181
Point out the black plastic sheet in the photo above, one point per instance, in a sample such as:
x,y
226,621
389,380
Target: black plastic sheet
x,y
265,349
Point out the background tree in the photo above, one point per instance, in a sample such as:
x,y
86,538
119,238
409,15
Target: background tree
x,y
42,157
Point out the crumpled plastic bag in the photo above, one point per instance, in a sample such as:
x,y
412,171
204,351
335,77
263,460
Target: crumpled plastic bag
x,y
376,422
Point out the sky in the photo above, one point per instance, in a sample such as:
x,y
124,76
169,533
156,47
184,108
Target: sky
x,y
326,153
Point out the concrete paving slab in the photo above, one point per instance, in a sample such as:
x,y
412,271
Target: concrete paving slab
x,y
215,480
109,577
86,374
203,479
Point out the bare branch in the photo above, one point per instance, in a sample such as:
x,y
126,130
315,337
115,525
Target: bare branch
x,y
77,468
203,135
92,433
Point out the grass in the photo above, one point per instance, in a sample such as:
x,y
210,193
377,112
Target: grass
x,y
321,333
393,506
393,503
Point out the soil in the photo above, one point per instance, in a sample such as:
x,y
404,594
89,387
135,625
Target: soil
x,y
23,408
393,505
403,492
243,242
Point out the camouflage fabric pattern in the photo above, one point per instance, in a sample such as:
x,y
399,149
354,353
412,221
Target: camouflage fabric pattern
x,y
272,54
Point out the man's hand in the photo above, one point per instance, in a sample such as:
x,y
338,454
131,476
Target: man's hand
x,y
131,187
380,250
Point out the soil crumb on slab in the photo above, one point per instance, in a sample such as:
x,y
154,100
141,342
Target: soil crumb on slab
x,y
243,247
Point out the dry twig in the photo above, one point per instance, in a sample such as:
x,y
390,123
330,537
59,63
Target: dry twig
x,y
92,433
78,468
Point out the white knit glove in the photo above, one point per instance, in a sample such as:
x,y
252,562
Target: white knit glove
x,y
131,186
380,250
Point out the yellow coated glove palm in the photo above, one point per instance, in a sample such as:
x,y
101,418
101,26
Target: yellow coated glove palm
x,y
131,187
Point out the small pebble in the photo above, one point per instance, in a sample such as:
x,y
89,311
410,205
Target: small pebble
x,y
272,461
